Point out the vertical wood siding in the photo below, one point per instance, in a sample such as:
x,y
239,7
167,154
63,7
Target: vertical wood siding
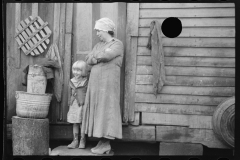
x,y
55,15
72,31
199,64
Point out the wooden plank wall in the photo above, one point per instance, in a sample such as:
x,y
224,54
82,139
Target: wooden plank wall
x,y
54,14
199,65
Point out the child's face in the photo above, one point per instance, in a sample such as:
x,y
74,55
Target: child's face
x,y
77,72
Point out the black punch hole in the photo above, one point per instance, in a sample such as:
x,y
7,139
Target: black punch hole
x,y
171,27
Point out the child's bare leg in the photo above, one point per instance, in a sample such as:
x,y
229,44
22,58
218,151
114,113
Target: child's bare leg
x,y
74,143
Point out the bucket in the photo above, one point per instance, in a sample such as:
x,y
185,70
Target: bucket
x,y
36,81
32,105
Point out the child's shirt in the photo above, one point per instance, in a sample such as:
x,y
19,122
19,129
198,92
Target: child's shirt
x,y
77,90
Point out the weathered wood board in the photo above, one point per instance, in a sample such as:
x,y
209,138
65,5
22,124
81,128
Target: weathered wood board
x,y
190,71
130,60
180,149
198,32
179,99
179,12
194,22
191,121
192,42
175,109
191,52
188,135
185,5
189,81
189,90
190,61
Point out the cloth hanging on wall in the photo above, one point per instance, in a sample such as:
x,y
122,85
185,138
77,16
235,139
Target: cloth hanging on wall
x,y
157,56
52,67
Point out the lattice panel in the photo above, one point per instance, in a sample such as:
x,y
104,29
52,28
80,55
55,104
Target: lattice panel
x,y
32,35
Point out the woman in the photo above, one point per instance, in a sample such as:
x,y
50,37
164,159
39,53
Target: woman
x,y
102,116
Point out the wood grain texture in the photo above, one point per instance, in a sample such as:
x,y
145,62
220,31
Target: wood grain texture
x,y
61,48
190,61
138,133
17,56
136,118
56,23
190,81
190,12
132,19
69,17
82,29
192,42
189,90
193,22
130,61
67,72
130,80
175,109
188,135
179,99
192,52
198,32
186,5
190,71
180,149
191,121
46,12
30,136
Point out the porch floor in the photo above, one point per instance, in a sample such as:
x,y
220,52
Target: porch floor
x,y
118,148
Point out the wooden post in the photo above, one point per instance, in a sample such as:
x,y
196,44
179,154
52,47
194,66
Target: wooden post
x,y
67,59
30,136
131,58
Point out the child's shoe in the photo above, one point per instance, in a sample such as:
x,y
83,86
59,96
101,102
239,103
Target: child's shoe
x,y
73,145
82,142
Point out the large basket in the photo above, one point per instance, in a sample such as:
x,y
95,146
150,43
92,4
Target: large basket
x,y
32,105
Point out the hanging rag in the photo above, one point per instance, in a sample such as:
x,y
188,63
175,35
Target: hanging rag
x,y
54,55
157,56
52,68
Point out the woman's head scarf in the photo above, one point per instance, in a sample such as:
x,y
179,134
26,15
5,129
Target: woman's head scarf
x,y
105,24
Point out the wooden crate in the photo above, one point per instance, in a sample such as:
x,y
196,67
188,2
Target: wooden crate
x,y
32,35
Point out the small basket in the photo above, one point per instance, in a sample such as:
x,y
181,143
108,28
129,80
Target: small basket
x,y
32,105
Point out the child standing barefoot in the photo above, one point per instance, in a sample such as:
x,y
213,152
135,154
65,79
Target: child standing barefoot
x,y
77,93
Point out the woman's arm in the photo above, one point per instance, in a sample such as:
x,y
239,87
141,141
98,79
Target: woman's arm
x,y
90,59
110,53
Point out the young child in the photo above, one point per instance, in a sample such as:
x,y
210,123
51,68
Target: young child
x,y
77,93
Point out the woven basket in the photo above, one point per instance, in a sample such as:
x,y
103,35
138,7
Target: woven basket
x,y
32,105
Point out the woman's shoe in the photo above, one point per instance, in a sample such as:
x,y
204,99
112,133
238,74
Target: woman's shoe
x,y
82,143
73,145
98,145
105,148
